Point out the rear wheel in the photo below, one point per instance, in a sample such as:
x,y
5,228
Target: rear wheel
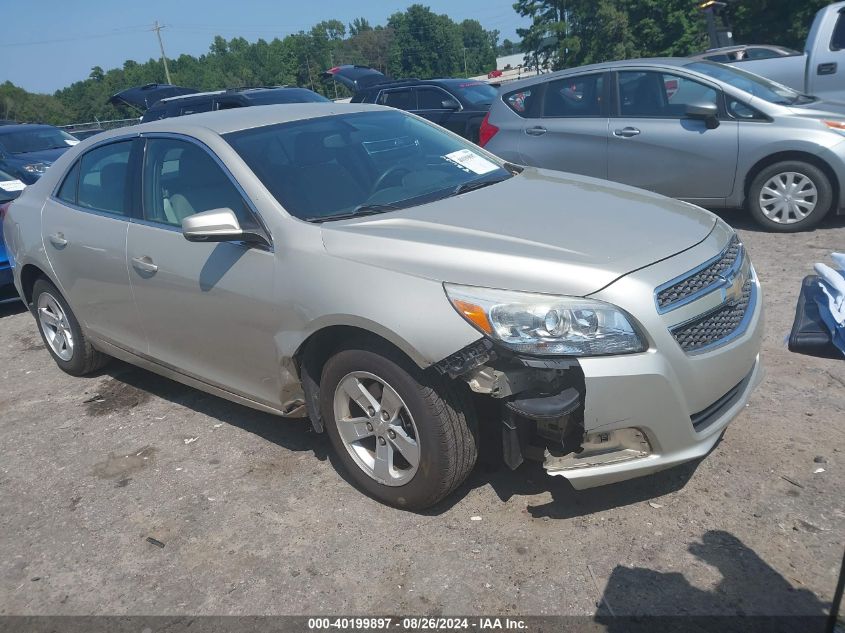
x,y
790,196
404,437
62,333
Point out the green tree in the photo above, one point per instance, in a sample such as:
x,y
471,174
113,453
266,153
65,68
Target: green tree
x,y
784,22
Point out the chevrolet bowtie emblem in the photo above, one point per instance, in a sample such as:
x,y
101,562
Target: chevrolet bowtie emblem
x,y
733,284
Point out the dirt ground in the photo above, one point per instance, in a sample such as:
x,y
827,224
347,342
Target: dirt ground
x,y
254,518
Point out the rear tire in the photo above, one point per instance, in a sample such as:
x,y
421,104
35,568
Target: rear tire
x,y
61,332
428,429
790,196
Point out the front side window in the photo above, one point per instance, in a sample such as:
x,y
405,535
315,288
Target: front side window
x,y
367,162
661,95
574,97
103,178
431,98
181,179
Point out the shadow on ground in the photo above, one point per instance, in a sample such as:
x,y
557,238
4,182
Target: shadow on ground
x,y
741,219
752,596
11,308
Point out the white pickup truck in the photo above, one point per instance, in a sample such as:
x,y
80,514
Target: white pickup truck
x,y
820,70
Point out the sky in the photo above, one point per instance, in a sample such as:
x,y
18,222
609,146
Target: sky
x,y
49,44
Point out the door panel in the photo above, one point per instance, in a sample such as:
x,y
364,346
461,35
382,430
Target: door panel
x,y
652,145
826,67
570,131
85,240
209,309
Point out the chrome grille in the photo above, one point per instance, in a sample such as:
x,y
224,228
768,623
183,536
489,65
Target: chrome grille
x,y
716,326
698,282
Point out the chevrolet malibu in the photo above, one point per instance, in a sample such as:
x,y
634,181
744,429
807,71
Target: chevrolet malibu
x,y
402,288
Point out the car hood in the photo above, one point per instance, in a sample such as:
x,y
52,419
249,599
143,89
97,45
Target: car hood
x,y
540,231
46,156
820,109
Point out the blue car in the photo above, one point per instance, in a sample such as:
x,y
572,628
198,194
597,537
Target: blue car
x,y
10,188
27,150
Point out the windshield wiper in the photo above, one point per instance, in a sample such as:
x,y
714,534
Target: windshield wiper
x,y
803,99
476,184
359,211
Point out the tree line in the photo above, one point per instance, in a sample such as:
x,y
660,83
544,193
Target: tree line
x,y
420,43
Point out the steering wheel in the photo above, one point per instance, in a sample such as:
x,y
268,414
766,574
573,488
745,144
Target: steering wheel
x,y
396,169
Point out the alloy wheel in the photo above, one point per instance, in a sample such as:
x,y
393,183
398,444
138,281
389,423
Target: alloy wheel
x,y
376,428
55,325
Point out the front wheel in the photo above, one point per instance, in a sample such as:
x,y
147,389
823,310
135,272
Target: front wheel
x,y
405,438
790,196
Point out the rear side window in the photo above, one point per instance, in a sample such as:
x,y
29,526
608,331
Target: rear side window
x,y
574,97
103,174
402,99
520,101
194,108
67,192
837,42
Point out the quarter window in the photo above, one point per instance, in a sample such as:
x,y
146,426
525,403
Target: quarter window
x,y
181,179
662,95
103,175
837,42
67,192
520,101
574,97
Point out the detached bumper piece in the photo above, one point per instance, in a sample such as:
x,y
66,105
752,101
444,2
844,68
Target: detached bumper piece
x,y
601,449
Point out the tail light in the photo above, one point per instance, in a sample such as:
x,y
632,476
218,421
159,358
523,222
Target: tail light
x,y
486,131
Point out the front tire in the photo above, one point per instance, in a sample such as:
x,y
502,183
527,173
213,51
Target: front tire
x,y
406,438
61,332
790,196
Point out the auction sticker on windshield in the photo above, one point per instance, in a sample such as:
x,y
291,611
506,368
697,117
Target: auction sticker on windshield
x,y
12,185
471,161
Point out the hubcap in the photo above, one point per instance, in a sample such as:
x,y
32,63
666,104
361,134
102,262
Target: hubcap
x,y
376,428
788,197
55,326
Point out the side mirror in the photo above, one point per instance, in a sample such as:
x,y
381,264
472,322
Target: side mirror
x,y
217,225
708,112
450,104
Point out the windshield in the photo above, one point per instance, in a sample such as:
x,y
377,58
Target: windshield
x,y
749,82
475,92
36,139
365,162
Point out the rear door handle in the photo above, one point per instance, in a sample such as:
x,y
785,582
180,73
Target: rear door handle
x,y
58,240
828,68
537,130
144,264
626,132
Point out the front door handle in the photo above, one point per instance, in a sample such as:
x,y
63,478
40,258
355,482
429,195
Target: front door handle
x,y
826,69
58,240
626,132
537,130
144,264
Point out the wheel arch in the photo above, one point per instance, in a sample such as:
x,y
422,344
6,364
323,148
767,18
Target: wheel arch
x,y
30,273
318,347
796,155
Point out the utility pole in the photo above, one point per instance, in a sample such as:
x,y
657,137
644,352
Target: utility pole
x,y
157,28
465,62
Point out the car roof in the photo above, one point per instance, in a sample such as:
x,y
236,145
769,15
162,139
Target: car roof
x,y
226,121
231,91
657,62
21,127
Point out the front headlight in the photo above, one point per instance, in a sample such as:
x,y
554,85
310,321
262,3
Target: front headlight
x,y
35,168
546,324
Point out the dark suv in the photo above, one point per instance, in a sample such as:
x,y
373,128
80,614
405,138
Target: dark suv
x,y
226,99
458,105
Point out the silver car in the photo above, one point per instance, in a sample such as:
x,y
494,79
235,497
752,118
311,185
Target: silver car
x,y
707,133
402,288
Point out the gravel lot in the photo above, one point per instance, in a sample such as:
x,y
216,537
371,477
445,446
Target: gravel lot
x,y
254,518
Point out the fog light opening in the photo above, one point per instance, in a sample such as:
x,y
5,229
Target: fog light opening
x,y
601,448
